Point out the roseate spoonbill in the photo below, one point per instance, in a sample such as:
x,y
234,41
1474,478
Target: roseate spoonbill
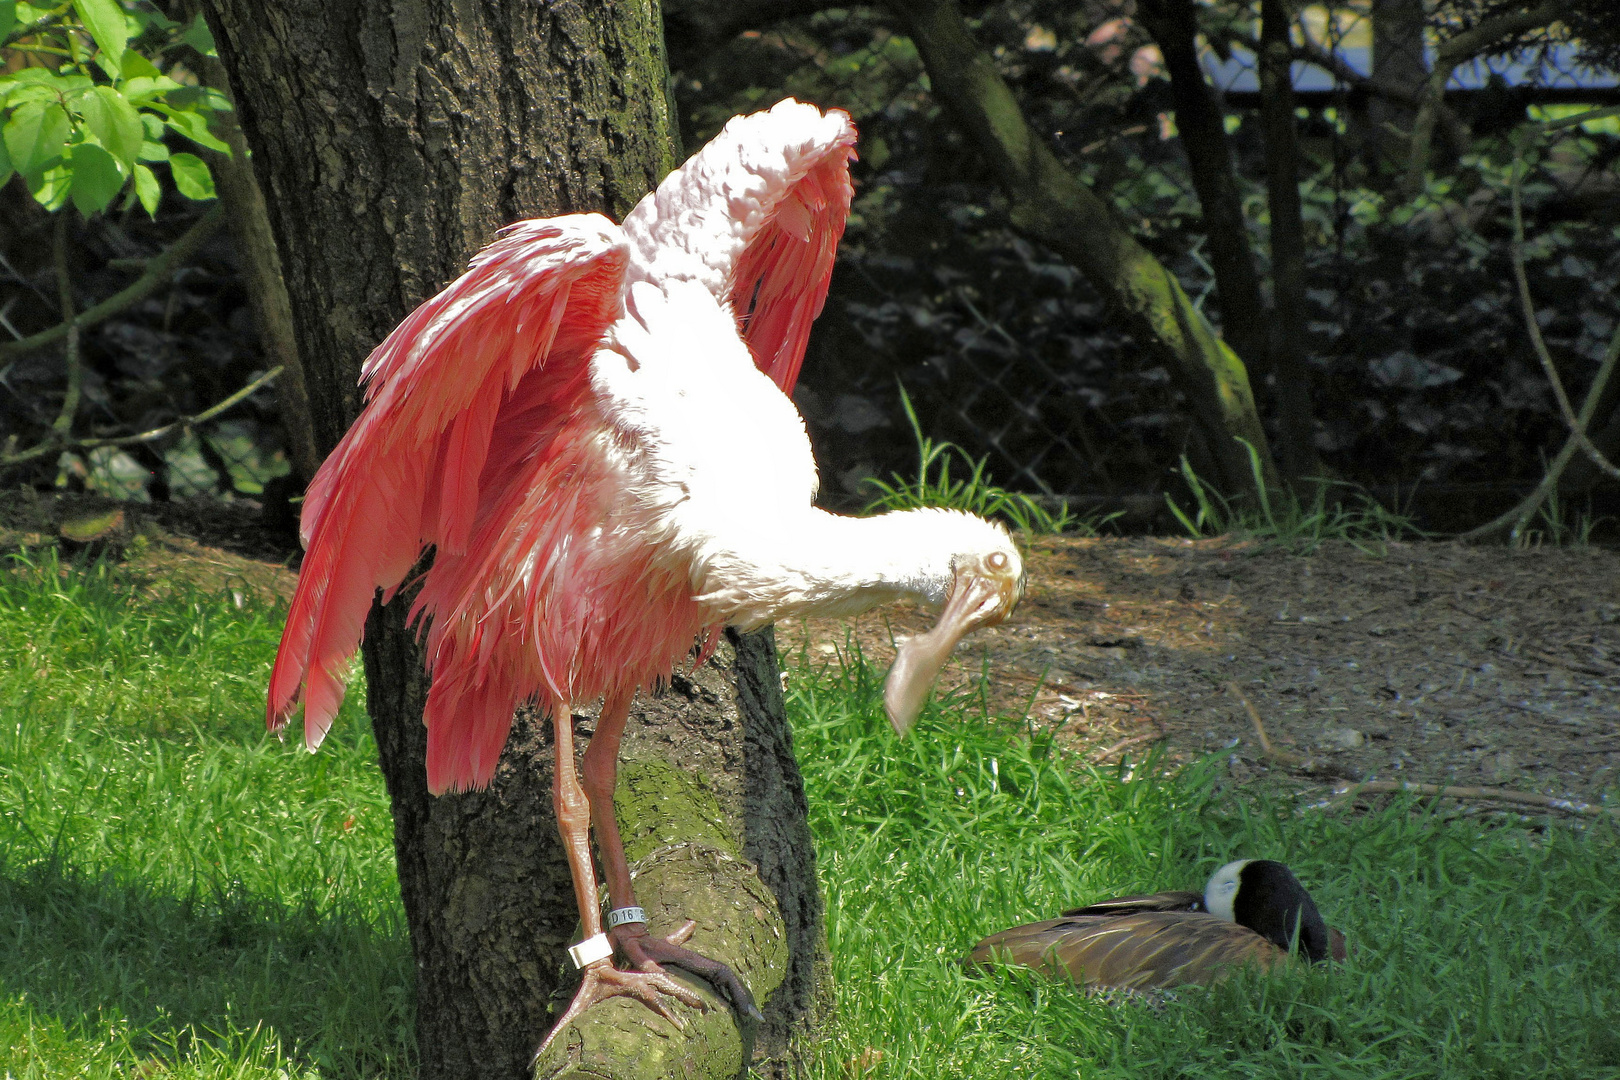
x,y
1249,913
592,429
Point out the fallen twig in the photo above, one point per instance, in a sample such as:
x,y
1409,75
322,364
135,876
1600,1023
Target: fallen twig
x,y
1288,759
1268,752
1524,798
1123,744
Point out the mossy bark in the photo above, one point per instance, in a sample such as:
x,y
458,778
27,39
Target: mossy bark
x,y
685,860
391,141
1050,204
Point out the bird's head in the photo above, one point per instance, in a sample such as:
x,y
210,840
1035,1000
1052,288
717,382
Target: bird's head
x,y
1265,896
985,582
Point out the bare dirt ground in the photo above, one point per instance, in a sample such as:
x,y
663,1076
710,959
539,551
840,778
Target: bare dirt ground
x,y
1420,661
1425,662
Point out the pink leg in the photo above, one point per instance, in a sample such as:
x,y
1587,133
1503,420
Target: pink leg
x,y
644,951
600,979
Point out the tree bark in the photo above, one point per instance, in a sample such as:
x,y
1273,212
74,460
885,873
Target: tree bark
x,y
249,223
1451,54
1051,205
1296,423
1400,68
1202,129
391,141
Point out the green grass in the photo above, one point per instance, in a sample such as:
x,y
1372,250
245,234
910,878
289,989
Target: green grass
x,y
1282,519
975,492
177,887
1481,950
181,895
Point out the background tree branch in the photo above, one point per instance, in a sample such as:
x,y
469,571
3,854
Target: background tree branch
x,y
56,445
1457,50
1295,417
1201,126
1049,204
158,270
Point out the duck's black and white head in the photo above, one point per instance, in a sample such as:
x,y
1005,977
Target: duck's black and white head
x,y
1265,896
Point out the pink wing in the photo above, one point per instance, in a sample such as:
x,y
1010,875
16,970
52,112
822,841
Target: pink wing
x,y
408,472
756,215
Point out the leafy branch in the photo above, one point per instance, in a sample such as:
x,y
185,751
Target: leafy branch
x,y
84,113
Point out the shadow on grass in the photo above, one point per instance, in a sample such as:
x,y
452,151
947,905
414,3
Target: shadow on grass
x,y
100,952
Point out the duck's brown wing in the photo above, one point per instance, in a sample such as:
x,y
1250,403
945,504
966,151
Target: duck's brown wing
x,y
1142,951
1130,905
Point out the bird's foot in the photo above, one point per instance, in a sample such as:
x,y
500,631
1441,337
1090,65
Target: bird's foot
x,y
648,953
601,981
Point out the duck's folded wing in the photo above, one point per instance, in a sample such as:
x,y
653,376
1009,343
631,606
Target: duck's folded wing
x,y
1130,905
1144,951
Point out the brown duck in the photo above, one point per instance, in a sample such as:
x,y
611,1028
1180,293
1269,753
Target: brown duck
x,y
1248,914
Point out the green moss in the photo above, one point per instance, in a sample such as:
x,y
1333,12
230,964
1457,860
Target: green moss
x,y
659,804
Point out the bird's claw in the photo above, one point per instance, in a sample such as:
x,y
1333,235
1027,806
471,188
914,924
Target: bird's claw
x,y
648,953
650,986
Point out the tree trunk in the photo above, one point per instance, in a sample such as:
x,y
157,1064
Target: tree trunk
x,y
249,223
391,141
1051,205
1400,66
1296,423
1202,129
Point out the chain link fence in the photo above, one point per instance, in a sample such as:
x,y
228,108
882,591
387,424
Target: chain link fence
x,y
1418,352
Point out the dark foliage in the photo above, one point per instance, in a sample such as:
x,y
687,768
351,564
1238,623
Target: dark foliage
x,y
1418,355
173,354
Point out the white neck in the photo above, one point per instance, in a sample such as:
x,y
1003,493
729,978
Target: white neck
x,y
814,563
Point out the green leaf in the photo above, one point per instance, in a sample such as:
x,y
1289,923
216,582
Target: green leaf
x,y
96,178
8,19
5,164
21,93
136,66
50,186
58,84
114,122
148,190
105,21
154,151
191,176
198,37
35,134
194,126
140,89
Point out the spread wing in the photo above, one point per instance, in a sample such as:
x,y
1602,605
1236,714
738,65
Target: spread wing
x,y
755,216
1142,951
408,473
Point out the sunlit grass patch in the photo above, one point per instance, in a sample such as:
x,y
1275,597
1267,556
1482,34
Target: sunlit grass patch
x,y
1481,950
184,895
181,892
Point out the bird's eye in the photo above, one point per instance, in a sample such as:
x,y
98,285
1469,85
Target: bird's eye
x,y
997,560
